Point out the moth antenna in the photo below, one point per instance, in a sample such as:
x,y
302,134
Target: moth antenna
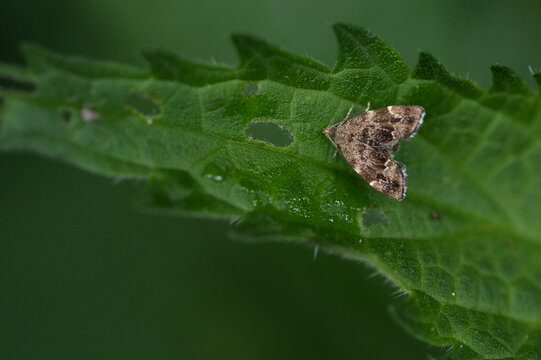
x,y
367,107
335,146
349,112
345,119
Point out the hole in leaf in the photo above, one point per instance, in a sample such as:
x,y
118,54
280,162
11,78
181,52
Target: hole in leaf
x,y
251,89
9,83
270,133
373,217
143,104
66,115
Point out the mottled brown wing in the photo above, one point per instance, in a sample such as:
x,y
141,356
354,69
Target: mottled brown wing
x,y
377,168
382,127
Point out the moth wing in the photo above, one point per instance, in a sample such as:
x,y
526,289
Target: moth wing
x,y
406,120
377,168
401,121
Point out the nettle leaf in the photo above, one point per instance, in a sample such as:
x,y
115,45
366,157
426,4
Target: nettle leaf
x,y
464,245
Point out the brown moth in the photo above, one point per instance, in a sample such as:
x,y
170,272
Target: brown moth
x,y
367,141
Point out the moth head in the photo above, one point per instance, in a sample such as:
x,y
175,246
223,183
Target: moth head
x,y
330,132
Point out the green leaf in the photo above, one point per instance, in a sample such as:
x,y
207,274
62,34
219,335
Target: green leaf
x,y
464,245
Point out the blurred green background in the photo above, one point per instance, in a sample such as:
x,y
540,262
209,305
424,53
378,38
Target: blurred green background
x,y
83,275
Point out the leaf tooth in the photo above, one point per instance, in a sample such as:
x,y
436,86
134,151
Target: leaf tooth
x,y
163,63
359,48
167,65
37,58
252,53
506,80
429,68
260,60
40,60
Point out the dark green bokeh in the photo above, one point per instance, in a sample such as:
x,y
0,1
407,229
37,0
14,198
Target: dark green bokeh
x,y
83,275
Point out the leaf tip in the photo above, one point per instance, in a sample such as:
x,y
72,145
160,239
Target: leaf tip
x,y
31,47
162,62
354,29
248,47
430,68
150,51
246,44
506,80
166,64
427,67
35,55
360,48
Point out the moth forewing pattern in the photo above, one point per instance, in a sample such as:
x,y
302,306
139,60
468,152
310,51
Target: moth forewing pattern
x,y
367,140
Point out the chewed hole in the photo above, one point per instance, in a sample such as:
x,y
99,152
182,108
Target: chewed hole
x,y
143,104
251,89
66,115
10,83
373,217
270,133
